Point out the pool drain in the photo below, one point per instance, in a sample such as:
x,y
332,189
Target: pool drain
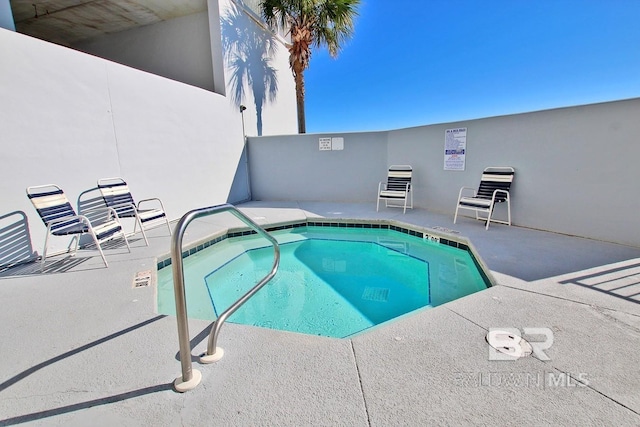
x,y
375,294
509,343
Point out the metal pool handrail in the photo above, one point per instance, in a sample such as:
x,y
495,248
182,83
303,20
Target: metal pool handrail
x,y
191,377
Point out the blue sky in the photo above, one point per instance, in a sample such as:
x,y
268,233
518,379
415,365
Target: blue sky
x,y
419,62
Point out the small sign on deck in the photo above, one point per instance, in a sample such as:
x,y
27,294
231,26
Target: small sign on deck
x,y
142,279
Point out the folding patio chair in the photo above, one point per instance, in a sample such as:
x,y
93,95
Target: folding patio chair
x,y
116,195
61,219
397,188
494,188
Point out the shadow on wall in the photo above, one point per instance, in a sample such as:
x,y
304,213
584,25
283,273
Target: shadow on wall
x,y
248,55
15,240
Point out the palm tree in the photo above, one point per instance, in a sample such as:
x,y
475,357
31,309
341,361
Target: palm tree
x,y
311,23
248,52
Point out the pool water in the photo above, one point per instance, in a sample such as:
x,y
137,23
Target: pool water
x,y
331,281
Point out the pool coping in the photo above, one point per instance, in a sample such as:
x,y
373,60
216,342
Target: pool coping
x,y
435,236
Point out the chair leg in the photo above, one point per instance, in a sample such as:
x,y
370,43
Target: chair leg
x,y
489,216
135,227
378,204
76,239
44,251
455,217
508,209
95,240
168,225
126,241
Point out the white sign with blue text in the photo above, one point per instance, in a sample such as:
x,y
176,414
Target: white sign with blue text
x,y
455,149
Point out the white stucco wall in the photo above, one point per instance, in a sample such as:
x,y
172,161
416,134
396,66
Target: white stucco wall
x,y
69,118
279,116
291,167
576,168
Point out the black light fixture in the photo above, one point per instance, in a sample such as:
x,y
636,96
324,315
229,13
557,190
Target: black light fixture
x,y
242,108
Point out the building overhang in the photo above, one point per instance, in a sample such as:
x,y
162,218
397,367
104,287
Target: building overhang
x,y
67,22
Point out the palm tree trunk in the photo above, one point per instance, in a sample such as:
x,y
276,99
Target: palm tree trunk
x,y
299,77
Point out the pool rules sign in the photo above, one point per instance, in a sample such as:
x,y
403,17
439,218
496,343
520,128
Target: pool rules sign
x,y
455,148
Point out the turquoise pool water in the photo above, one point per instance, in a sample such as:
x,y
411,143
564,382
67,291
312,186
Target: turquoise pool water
x,y
333,282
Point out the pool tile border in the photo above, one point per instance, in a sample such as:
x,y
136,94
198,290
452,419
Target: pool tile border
x,y
364,224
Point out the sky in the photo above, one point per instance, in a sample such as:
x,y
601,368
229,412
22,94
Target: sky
x,y
420,62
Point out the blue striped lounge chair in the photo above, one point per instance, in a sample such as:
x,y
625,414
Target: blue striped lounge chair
x,y
397,191
494,188
116,195
61,220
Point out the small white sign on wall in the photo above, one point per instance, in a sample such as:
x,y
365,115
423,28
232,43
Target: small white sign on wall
x,y
455,149
328,144
325,144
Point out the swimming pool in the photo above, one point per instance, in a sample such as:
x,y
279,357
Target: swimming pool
x,y
335,279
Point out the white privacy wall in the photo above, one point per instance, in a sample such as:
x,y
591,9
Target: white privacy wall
x,y
69,118
576,168
292,167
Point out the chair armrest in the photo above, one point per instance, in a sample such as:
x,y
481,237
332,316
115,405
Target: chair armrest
x,y
80,218
382,186
151,200
495,192
463,189
110,209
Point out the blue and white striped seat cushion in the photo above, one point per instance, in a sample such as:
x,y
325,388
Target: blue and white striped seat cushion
x,y
54,206
475,202
495,180
106,229
119,197
151,214
397,181
391,194
490,182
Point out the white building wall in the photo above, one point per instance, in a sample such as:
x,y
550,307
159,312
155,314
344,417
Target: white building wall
x,y
69,118
181,49
279,116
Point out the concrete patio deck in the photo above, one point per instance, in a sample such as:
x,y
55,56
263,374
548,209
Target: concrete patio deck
x,y
80,346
